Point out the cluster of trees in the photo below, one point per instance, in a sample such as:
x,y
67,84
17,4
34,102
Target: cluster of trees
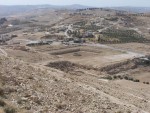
x,y
91,27
125,78
121,77
123,35
59,37
4,38
82,14
75,33
8,30
2,21
102,39
78,34
81,23
112,19
102,9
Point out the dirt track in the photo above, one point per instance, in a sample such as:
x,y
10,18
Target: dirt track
x,y
3,52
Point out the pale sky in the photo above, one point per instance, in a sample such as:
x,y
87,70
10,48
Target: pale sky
x,y
98,3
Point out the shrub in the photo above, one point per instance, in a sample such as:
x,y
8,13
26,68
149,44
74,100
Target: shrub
x,y
130,78
118,77
147,82
121,78
136,80
19,101
9,110
109,78
1,92
60,106
115,77
127,78
30,77
2,103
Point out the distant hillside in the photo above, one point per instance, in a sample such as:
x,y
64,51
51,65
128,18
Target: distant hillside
x,y
6,10
15,9
75,6
133,9
10,10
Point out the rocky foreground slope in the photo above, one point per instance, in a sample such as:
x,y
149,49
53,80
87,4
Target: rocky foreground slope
x,y
29,88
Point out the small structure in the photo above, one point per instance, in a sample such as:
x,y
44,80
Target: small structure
x,y
79,40
14,35
47,33
88,34
68,39
10,25
36,43
144,61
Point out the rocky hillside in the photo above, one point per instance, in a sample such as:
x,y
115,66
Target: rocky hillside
x,y
28,88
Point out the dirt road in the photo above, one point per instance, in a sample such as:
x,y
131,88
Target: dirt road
x,y
3,52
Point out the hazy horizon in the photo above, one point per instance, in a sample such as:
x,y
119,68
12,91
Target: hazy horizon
x,y
96,3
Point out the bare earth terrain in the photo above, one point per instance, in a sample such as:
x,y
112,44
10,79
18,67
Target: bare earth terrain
x,y
75,61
